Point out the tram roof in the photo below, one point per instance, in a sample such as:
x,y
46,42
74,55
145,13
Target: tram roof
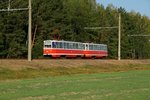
x,y
95,44
73,42
60,41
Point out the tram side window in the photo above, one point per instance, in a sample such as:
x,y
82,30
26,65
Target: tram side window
x,y
54,44
81,46
105,48
95,47
75,46
59,45
100,47
90,47
70,46
66,45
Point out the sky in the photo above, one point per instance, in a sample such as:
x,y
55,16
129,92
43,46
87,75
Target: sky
x,y
141,6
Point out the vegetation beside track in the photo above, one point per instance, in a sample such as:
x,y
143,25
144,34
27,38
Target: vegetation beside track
x,y
20,69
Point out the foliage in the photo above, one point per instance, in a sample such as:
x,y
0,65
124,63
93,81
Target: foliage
x,y
67,18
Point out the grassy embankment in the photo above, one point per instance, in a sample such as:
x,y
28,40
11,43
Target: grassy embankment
x,y
21,69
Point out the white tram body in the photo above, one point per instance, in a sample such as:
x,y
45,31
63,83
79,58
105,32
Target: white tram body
x,y
55,48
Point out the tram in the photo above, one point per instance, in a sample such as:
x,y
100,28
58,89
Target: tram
x,y
57,49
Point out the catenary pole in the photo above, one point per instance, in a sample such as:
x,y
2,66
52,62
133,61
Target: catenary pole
x,y
30,33
113,27
119,38
29,26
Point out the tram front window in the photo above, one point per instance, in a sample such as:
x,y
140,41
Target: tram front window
x,y
47,46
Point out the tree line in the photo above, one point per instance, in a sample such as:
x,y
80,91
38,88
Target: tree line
x,y
68,19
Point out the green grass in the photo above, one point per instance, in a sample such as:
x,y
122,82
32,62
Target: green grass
x,y
129,85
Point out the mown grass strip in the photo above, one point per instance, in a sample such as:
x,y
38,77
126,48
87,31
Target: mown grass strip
x,y
130,85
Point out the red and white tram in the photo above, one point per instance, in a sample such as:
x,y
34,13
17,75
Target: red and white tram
x,y
95,50
56,49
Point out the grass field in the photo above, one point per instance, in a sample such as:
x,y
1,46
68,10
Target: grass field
x,y
130,85
75,80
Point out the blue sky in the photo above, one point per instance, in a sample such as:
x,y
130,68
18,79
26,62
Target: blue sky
x,y
142,6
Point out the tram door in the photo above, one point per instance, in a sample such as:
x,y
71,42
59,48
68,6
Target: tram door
x,y
86,46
